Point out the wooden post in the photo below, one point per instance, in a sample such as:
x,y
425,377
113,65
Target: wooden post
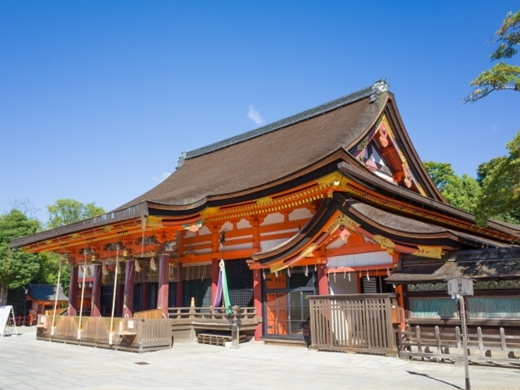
x,y
128,301
257,296
480,343
164,272
504,345
145,290
53,323
95,308
73,290
214,278
323,283
464,341
178,294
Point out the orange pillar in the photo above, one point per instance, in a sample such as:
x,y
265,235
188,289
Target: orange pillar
x,y
257,297
323,283
164,273
73,291
95,308
214,279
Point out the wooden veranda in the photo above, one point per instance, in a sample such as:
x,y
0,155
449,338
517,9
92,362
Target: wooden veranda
x,y
148,330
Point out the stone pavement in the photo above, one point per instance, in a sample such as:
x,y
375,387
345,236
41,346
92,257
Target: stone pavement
x,y
26,363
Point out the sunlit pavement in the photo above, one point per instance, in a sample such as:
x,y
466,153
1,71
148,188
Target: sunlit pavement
x,y
26,363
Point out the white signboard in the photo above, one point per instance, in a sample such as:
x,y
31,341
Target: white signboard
x,y
4,318
460,286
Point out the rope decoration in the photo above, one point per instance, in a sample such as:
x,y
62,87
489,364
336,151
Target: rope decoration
x,y
104,270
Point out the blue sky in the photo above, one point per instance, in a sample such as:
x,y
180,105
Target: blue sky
x,y
99,98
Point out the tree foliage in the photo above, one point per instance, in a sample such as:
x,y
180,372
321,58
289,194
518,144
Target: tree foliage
x,y
460,192
17,268
501,76
67,211
500,179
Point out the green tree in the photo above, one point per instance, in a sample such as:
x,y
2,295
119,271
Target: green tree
x,y
501,76
17,268
500,178
460,192
67,211
64,212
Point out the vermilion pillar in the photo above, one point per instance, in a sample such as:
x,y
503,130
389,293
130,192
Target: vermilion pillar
x,y
257,296
95,308
164,272
128,301
323,283
214,279
73,291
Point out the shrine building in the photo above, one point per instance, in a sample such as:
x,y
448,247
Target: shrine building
x,y
328,201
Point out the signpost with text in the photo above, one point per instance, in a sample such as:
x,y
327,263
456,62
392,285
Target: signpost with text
x,y
460,287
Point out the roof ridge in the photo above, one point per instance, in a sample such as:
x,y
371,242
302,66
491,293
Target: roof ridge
x,y
372,91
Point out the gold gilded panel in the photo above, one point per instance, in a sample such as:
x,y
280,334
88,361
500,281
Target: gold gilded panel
x,y
434,252
385,243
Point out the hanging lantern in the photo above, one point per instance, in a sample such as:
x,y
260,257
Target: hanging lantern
x,y
306,271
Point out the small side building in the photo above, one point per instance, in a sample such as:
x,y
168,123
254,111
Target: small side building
x,y
42,297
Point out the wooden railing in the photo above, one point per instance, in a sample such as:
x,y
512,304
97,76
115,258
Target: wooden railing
x,y
243,316
131,334
355,323
493,348
188,322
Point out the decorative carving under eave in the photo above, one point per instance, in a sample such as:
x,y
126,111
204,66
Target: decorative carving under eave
x,y
434,252
348,222
209,211
277,267
170,246
264,200
150,240
113,246
307,252
153,221
385,243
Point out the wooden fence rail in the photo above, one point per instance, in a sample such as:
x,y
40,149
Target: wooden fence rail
x,y
491,348
187,322
355,323
129,334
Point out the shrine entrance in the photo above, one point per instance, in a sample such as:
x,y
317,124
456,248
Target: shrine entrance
x,y
286,305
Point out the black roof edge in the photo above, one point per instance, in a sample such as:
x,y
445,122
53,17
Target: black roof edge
x,y
372,91
138,210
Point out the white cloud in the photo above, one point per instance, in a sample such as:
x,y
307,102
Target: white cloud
x,y
164,175
255,115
